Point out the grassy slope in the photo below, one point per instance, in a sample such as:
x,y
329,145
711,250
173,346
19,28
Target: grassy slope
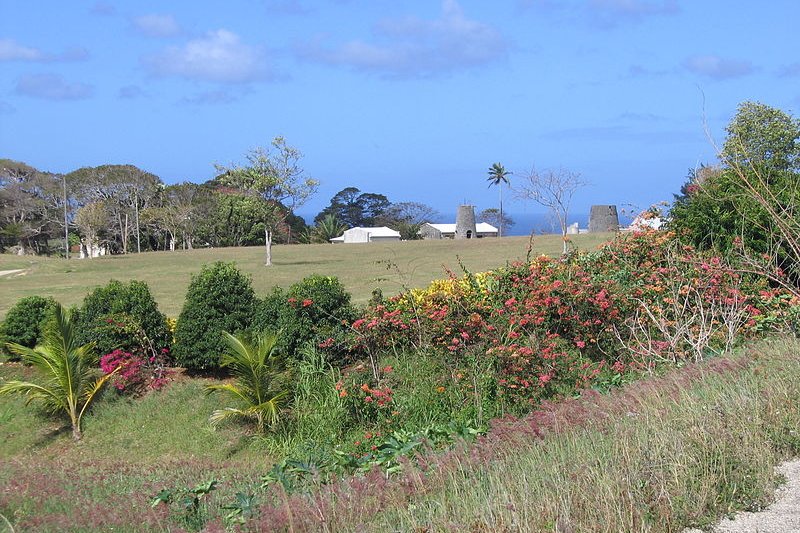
x,y
357,266
658,455
655,456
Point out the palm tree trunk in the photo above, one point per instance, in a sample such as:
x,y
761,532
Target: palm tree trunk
x,y
500,229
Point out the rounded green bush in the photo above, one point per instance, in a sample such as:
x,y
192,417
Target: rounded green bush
x,y
106,306
220,298
24,322
314,310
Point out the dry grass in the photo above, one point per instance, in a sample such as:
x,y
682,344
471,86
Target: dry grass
x,y
656,456
361,268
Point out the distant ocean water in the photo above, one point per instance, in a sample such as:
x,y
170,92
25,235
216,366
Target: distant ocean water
x,y
524,223
538,223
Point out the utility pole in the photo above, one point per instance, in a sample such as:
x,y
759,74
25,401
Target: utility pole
x,y
66,220
136,207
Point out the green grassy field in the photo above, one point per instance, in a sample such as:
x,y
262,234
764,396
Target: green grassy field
x,y
361,268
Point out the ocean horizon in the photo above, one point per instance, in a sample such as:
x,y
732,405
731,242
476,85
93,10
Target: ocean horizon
x,y
524,223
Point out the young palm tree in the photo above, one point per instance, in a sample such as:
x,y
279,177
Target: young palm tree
x,y
498,175
328,228
70,382
261,380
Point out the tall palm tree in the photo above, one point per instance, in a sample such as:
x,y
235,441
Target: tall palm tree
x,y
261,386
498,175
70,373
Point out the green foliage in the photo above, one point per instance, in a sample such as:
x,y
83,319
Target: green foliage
x,y
122,315
355,208
318,413
739,203
24,323
315,310
317,465
69,370
261,380
220,298
762,137
328,228
187,504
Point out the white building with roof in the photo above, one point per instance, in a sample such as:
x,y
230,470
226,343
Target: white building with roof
x,y
358,235
448,231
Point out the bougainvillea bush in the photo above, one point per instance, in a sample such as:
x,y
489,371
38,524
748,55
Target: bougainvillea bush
x,y
548,327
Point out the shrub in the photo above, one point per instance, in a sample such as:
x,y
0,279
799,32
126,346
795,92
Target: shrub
x,y
122,315
315,310
136,372
25,321
220,298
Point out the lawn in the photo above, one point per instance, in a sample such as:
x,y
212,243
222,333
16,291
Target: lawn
x,y
361,268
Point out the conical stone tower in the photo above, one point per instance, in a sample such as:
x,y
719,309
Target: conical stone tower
x,y
465,222
603,218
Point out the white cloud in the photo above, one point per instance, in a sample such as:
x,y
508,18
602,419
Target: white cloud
x,y
156,25
10,50
410,46
52,87
717,67
218,56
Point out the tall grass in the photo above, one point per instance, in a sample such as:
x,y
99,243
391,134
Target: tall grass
x,y
661,454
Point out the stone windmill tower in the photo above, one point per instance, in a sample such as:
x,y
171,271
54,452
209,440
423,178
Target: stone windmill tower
x,y
465,222
603,218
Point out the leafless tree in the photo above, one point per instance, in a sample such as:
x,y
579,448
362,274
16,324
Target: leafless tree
x,y
552,189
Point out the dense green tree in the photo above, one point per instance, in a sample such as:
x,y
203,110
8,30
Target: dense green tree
x,y
326,229
31,207
134,302
355,208
125,191
751,203
25,321
760,137
220,298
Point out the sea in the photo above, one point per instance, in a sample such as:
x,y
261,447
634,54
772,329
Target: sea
x,y
524,223
536,223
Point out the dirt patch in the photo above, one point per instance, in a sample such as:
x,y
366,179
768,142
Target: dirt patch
x,y
9,272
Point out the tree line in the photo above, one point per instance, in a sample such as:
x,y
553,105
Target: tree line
x,y
121,209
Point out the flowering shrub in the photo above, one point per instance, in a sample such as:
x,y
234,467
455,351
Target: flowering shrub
x,y
550,326
368,403
137,372
315,310
129,302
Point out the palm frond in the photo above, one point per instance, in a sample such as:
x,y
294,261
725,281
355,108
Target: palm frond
x,y
225,414
259,370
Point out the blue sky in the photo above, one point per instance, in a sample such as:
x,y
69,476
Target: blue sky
x,y
411,99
